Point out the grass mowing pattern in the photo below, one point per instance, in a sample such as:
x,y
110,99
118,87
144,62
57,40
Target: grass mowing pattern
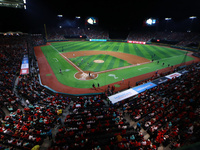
x,y
146,51
163,54
88,63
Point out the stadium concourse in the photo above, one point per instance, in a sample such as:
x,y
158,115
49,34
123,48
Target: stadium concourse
x,y
165,116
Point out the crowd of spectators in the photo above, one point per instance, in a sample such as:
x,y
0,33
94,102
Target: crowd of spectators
x,y
197,54
168,112
90,33
94,125
37,39
182,38
141,36
11,52
24,128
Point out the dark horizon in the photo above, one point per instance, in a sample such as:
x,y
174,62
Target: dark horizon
x,y
113,16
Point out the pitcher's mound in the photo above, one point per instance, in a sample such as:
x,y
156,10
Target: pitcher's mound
x,y
99,61
85,75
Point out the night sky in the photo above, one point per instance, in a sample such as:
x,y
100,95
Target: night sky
x,y
119,15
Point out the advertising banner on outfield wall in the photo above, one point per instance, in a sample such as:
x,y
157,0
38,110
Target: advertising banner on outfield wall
x,y
122,95
137,42
99,40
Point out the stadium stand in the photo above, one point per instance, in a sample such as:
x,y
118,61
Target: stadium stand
x,y
168,113
96,33
65,33
11,49
141,36
197,54
181,39
186,39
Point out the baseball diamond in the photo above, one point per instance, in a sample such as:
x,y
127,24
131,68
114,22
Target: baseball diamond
x,y
124,60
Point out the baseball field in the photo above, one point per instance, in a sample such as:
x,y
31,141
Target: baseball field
x,y
79,64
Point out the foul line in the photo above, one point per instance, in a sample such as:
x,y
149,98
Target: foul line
x,y
67,59
170,57
143,68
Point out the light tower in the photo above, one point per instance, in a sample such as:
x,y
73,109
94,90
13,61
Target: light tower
x,y
167,22
192,20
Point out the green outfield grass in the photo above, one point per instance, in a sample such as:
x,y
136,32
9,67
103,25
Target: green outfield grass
x,y
56,61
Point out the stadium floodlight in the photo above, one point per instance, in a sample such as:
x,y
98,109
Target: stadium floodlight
x,y
168,18
60,16
150,21
90,21
192,17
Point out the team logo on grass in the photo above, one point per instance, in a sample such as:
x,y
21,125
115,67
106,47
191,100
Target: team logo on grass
x,y
99,61
66,70
56,60
113,75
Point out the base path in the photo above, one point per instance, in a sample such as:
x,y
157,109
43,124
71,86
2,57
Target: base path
x,y
53,83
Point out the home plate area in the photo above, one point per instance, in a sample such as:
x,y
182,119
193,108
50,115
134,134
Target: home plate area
x,y
85,75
